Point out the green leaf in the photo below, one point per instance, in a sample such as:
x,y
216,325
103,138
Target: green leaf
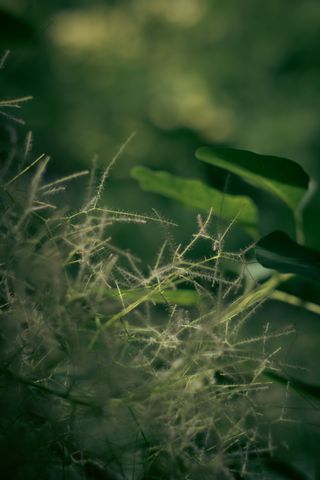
x,y
299,386
279,252
197,195
280,176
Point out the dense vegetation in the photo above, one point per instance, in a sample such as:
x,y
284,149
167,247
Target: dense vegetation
x,y
167,331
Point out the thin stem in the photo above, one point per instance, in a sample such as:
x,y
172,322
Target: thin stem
x,y
296,301
259,294
299,226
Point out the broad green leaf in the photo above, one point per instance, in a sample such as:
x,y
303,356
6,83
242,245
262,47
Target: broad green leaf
x,y
183,297
280,176
279,252
197,195
299,386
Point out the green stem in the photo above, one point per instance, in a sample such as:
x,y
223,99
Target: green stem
x,y
296,301
257,295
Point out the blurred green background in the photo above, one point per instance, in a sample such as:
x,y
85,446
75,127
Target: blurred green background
x,y
181,74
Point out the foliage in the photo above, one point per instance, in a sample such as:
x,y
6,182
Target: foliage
x,y
182,74
111,370
197,195
276,251
279,252
281,177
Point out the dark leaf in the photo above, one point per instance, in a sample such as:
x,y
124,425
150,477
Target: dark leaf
x,y
299,386
280,176
284,469
279,252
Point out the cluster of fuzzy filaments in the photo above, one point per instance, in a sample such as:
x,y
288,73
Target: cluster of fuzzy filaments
x,y
114,370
